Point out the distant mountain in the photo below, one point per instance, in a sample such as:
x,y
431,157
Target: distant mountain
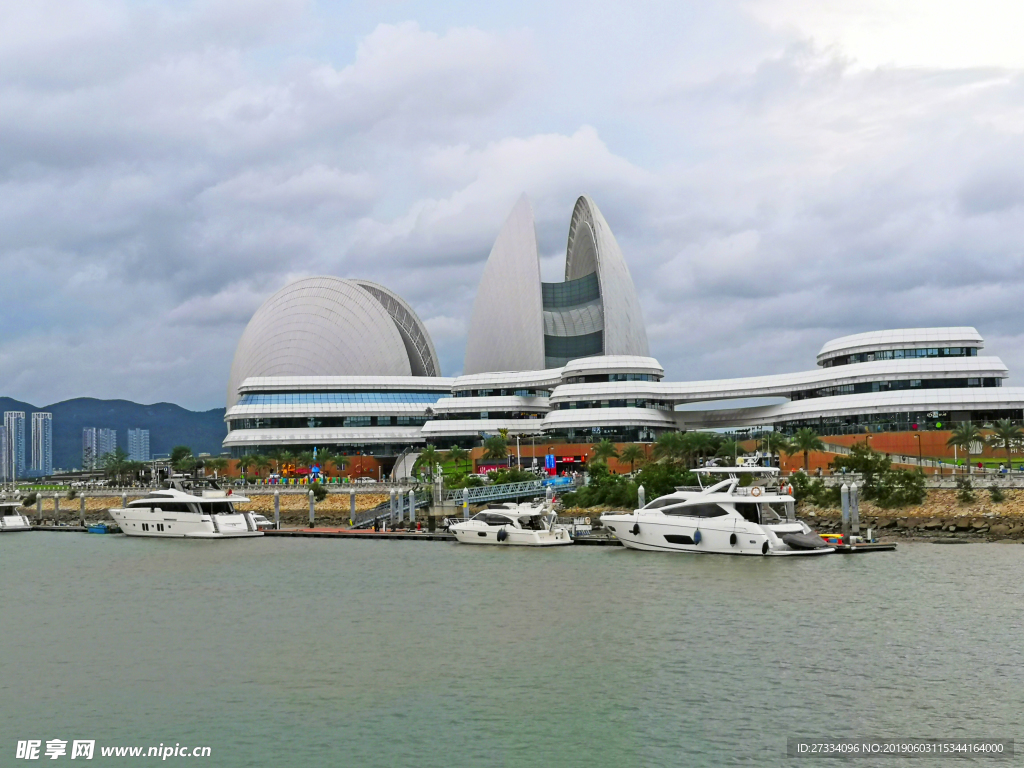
x,y
168,424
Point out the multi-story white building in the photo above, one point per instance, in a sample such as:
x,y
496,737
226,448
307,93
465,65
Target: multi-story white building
x,y
97,443
14,445
138,444
106,442
42,443
323,365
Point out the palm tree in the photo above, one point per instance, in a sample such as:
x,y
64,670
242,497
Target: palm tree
x,y
700,444
245,462
495,448
604,450
963,437
428,456
783,446
807,440
729,449
671,446
217,465
327,457
115,463
259,463
305,459
632,453
1005,434
185,461
456,455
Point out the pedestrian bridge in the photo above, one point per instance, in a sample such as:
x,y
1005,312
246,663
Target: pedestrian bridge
x,y
527,489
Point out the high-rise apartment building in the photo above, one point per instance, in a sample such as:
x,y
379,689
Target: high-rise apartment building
x,y
138,444
106,442
14,445
89,448
42,443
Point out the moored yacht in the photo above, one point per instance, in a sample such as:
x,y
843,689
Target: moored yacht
x,y
177,513
721,517
12,519
525,525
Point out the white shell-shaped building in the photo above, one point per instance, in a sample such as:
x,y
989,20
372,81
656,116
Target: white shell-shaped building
x,y
329,326
521,324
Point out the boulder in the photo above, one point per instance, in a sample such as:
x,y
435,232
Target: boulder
x,y
979,524
999,529
963,524
885,522
933,524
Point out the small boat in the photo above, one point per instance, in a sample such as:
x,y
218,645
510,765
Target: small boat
x,y
12,519
523,525
179,512
103,528
721,518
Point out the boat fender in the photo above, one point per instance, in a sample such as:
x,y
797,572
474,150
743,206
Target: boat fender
x,y
732,540
635,530
696,537
764,548
755,491
502,534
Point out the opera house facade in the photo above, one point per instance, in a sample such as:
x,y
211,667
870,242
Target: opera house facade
x,y
347,364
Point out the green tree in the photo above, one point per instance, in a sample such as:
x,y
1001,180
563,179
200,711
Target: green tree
x,y
963,437
730,449
632,453
863,460
671,447
115,464
457,455
1005,434
782,445
805,441
327,457
216,465
700,445
182,459
495,448
260,463
179,452
428,459
245,463
604,450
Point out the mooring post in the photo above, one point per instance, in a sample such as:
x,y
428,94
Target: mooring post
x,y
81,509
124,500
351,507
312,512
844,495
412,506
392,505
277,510
39,508
465,503
56,508
854,509
641,497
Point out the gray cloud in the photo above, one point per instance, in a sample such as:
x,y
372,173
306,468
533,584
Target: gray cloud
x,y
164,168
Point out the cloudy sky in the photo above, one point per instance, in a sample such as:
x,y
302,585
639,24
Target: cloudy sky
x,y
777,172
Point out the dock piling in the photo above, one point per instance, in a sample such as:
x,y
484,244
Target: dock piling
x,y
392,505
56,508
854,510
351,507
465,503
641,497
39,508
844,495
277,510
312,511
412,506
81,510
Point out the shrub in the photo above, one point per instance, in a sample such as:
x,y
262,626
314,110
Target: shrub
x,y
964,490
898,488
29,500
72,493
997,493
319,491
814,491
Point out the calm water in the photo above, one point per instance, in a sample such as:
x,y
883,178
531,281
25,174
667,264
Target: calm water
x,y
304,652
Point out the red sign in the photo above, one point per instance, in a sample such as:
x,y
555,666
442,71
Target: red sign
x,y
485,468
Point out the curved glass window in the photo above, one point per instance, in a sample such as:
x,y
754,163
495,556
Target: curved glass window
x,y
330,398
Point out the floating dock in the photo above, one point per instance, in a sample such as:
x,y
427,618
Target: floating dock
x,y
852,549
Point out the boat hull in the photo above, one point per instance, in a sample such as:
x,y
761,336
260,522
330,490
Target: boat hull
x,y
713,536
144,523
514,537
14,524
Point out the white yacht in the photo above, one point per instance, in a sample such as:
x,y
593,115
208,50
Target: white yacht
x,y
12,519
721,517
524,525
179,513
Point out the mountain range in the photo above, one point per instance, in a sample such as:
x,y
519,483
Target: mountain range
x,y
168,424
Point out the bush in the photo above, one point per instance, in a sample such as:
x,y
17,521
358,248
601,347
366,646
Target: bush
x,y
997,493
72,493
964,490
898,488
29,500
814,491
607,489
319,491
863,460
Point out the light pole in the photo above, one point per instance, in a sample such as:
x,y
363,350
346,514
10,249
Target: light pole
x,y
519,456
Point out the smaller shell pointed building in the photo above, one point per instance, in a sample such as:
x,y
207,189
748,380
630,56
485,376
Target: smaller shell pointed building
x,y
520,323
